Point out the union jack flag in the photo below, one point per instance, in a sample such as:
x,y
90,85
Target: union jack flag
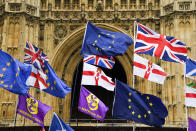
x,y
164,47
103,61
35,56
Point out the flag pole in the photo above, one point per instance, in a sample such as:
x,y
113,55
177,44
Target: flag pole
x,y
15,116
135,23
72,100
186,110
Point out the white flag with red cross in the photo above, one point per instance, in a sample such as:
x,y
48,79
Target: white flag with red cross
x,y
146,69
93,75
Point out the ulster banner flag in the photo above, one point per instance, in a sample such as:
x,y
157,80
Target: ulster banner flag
x,y
148,70
93,75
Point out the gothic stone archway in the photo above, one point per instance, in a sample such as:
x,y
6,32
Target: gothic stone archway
x,y
67,56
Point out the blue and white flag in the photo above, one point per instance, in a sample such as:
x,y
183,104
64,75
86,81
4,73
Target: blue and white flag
x,y
58,124
190,67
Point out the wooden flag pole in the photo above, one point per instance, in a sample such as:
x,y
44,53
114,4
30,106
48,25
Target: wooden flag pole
x,y
186,110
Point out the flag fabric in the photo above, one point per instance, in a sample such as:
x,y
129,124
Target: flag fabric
x,y
32,109
34,56
37,79
192,124
164,47
190,98
190,67
58,124
91,105
13,74
103,61
132,105
93,75
56,86
146,69
98,41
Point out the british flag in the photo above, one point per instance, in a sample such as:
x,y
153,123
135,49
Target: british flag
x,y
35,56
164,47
103,61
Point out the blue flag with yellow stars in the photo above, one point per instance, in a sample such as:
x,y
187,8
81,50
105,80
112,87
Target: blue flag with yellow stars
x,y
56,86
98,41
132,105
13,74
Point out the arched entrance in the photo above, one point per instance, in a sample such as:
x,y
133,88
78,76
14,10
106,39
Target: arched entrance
x,y
67,56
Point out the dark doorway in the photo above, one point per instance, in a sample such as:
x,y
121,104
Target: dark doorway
x,y
104,95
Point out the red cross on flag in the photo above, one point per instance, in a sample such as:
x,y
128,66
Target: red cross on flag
x,y
93,75
37,79
146,69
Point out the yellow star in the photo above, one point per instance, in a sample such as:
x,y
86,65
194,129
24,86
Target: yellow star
x,y
129,93
93,44
99,36
16,74
145,115
8,64
95,41
113,42
47,71
149,112
5,85
147,97
55,82
150,104
129,100
46,77
133,112
129,107
2,82
4,69
113,36
51,88
96,48
102,33
1,75
48,84
11,86
110,46
18,69
139,116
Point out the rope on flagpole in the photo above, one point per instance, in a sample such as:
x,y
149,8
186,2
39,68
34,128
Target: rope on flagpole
x,y
186,110
135,23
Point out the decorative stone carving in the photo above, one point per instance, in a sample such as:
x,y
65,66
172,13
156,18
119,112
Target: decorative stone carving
x,y
60,31
99,5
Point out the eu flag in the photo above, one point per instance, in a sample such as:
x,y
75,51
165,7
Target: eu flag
x,y
132,105
58,124
98,41
13,74
56,86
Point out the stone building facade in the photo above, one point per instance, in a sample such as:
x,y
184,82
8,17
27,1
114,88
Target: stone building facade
x,y
57,27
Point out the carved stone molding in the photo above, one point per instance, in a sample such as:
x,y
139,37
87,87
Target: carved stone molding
x,y
60,31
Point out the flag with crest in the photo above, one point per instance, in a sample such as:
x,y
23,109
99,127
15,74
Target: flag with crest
x,y
91,105
148,70
98,41
164,47
190,97
13,74
103,61
32,109
93,75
